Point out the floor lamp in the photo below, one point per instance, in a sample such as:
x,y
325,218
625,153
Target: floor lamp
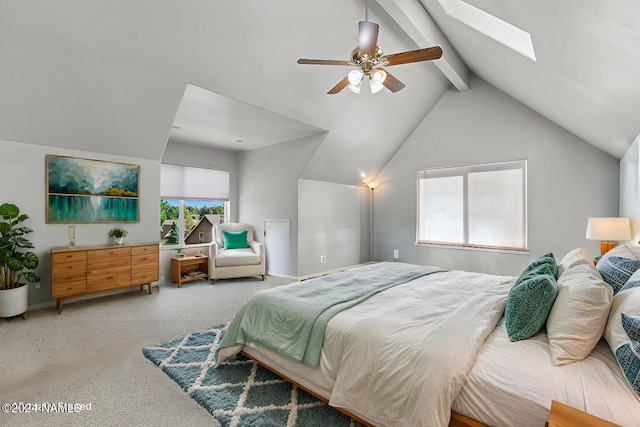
x,y
372,185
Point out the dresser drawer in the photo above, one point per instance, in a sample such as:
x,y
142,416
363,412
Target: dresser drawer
x,y
69,276
137,260
68,288
145,274
145,250
71,256
69,268
116,277
100,263
108,253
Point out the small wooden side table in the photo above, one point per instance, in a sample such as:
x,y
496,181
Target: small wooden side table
x,y
566,416
182,265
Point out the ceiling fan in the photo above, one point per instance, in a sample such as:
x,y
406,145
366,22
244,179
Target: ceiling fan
x,y
369,60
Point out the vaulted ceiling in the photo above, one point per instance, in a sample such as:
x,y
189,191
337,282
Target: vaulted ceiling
x,y
124,76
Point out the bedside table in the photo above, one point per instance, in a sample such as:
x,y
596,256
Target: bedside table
x,y
566,416
180,266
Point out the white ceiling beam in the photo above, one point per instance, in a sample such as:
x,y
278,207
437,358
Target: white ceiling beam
x,y
416,22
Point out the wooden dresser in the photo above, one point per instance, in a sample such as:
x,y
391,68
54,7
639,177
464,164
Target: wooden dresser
x,y
81,271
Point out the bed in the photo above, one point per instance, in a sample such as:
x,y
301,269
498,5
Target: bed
x,y
435,349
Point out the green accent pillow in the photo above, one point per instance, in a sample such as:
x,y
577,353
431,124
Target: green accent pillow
x,y
235,239
528,305
547,260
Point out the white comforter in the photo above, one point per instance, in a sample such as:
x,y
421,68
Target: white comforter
x,y
401,357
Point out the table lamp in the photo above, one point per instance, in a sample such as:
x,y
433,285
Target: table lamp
x,y
608,231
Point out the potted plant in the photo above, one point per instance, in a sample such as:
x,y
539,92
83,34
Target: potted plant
x,y
117,234
15,261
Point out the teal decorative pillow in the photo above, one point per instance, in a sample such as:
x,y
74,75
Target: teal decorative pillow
x,y
235,239
548,261
616,271
546,268
528,305
628,355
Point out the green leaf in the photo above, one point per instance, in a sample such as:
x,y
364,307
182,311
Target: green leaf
x,y
9,211
15,264
31,277
30,260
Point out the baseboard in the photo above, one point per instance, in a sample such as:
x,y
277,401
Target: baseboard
x,y
335,270
286,276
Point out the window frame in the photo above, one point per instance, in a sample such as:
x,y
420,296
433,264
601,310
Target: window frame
x,y
181,240
464,171
182,183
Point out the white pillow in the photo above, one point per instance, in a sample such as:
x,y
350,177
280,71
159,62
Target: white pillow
x,y
630,251
573,258
633,281
620,342
629,302
579,313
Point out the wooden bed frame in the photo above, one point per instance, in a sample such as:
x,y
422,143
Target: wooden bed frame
x,y
456,420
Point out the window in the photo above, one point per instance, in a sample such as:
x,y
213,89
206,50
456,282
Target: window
x,y
193,200
478,206
491,26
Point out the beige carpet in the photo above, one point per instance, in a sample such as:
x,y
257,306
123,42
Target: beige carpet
x,y
91,353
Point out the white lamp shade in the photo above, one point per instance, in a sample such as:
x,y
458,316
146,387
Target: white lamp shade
x,y
608,229
355,76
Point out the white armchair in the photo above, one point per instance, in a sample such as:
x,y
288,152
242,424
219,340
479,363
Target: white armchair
x,y
227,263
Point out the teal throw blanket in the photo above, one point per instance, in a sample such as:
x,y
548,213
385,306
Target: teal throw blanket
x,y
291,319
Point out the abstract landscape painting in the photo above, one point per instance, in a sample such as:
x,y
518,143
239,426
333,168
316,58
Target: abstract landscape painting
x,y
84,190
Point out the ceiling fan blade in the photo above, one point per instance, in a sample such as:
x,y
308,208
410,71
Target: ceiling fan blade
x,y
368,37
426,54
341,85
324,62
391,83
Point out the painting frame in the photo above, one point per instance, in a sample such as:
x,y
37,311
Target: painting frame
x,y
80,190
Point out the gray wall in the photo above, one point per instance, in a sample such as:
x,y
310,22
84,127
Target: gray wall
x,y
568,180
22,173
630,187
268,187
330,219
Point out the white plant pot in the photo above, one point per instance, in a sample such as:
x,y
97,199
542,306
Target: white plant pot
x,y
14,301
118,240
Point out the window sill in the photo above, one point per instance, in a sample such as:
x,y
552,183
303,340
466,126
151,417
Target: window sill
x,y
474,248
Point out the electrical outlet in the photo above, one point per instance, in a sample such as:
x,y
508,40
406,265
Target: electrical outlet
x,y
396,254
36,285
323,259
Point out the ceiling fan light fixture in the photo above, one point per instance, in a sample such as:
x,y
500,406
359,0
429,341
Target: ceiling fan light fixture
x,y
355,77
375,87
378,76
355,88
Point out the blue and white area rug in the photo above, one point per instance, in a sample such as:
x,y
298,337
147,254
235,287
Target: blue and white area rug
x,y
239,392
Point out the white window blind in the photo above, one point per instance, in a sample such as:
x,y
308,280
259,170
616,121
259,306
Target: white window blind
x,y
184,182
481,206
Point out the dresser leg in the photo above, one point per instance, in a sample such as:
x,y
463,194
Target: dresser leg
x,y
59,305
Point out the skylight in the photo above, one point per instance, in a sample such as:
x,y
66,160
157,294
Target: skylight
x,y
501,31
